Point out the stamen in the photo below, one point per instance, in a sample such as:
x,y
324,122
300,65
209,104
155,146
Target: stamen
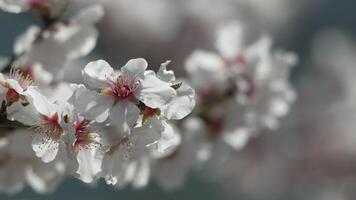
x,y
22,78
85,139
122,87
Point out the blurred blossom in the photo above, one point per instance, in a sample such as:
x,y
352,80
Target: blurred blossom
x,y
316,159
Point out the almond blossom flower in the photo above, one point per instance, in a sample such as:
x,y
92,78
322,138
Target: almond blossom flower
x,y
45,118
135,105
251,80
87,149
62,42
127,152
140,167
15,87
86,143
119,92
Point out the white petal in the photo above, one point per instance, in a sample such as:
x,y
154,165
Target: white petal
x,y
135,68
261,47
40,75
27,115
113,166
89,164
181,105
148,134
54,51
96,74
15,85
155,93
40,102
206,70
89,15
78,40
90,104
169,140
230,39
237,139
45,177
13,6
24,41
142,175
124,115
45,147
164,74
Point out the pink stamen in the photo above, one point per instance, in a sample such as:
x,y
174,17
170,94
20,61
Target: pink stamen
x,y
122,87
84,136
23,79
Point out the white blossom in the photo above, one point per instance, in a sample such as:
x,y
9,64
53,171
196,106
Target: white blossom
x,y
120,91
248,81
20,166
62,42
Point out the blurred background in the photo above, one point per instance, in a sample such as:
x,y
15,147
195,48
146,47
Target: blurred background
x,y
313,154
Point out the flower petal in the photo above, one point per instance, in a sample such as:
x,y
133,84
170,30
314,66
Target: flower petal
x,y
89,161
96,74
77,40
89,15
164,74
206,70
181,105
169,140
148,134
135,68
155,93
230,39
24,41
90,104
45,147
124,115
237,139
13,6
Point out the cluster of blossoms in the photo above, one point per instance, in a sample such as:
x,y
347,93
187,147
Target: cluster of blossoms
x,y
126,125
241,90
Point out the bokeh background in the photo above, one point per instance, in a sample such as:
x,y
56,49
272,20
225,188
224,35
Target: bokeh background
x,y
313,154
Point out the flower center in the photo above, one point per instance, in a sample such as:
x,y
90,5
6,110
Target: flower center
x,y
50,126
12,96
122,87
84,137
149,112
